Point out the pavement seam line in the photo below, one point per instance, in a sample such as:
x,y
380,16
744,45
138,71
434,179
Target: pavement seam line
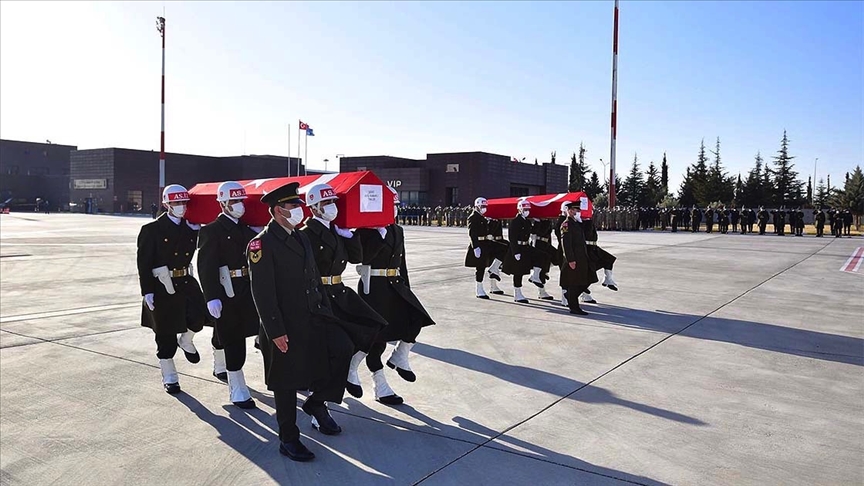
x,y
619,365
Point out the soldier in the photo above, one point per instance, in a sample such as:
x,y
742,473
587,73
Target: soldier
x,y
674,215
695,218
723,220
225,281
762,215
563,217
173,302
302,344
384,285
576,273
597,257
518,260
734,217
819,217
781,221
847,222
497,252
542,255
154,210
799,221
709,219
334,248
479,252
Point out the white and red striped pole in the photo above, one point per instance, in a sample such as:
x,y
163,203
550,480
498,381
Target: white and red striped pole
x,y
614,108
160,25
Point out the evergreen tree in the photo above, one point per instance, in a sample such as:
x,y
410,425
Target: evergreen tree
x,y
718,186
535,161
786,184
821,194
809,190
552,158
664,176
739,191
754,188
652,191
633,192
574,171
852,195
578,171
699,177
593,188
768,189
686,195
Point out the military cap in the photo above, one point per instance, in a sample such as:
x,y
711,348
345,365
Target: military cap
x,y
283,195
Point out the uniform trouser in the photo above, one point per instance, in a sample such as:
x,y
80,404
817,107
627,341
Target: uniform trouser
x,y
373,359
575,292
166,345
819,230
286,410
235,352
517,281
479,273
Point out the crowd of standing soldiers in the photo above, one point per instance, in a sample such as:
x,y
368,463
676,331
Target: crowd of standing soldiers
x,y
623,218
415,215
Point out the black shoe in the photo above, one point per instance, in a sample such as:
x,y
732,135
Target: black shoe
x,y
172,388
221,376
326,424
406,375
355,391
248,404
391,400
548,297
498,292
494,276
578,312
536,284
296,451
194,358
484,297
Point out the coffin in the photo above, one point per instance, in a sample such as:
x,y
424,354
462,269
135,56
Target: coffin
x,y
542,206
364,200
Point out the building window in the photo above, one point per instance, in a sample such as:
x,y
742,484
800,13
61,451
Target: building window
x,y
516,191
453,196
135,200
452,168
37,171
422,197
12,170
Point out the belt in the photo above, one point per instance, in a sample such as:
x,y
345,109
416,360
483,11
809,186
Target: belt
x,y
179,272
544,239
521,242
591,243
499,237
241,272
485,238
335,279
384,272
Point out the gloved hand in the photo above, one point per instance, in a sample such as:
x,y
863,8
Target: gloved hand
x,y
344,233
382,232
532,239
517,256
477,252
148,299
215,308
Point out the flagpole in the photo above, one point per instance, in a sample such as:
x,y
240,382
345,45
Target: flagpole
x,y
289,150
306,155
614,128
298,146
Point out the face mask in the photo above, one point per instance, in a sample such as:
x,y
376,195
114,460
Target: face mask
x,y
329,212
482,210
178,210
295,216
525,212
237,210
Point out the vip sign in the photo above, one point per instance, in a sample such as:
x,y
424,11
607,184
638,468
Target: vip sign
x,y
394,184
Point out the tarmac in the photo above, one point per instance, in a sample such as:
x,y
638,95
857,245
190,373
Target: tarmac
x,y
723,359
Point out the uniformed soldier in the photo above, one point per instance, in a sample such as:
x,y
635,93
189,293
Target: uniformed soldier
x,y
723,219
847,222
745,219
709,219
225,281
695,219
384,285
561,218
819,217
674,215
302,343
799,221
762,215
334,248
497,252
543,254
173,302
576,273
479,250
781,221
518,260
734,217
597,257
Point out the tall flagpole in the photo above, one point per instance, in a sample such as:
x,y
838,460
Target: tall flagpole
x,y
160,26
298,146
614,108
289,150
306,154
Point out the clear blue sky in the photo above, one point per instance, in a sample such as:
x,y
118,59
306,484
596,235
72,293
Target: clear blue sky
x,y
407,78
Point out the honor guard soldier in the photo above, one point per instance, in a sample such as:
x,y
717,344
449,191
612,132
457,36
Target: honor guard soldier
x,y
173,302
518,260
799,221
561,218
479,249
543,255
762,216
597,257
225,281
576,271
497,252
302,344
384,285
819,217
334,248
695,219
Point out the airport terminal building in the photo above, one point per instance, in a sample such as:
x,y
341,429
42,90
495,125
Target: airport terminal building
x,y
456,179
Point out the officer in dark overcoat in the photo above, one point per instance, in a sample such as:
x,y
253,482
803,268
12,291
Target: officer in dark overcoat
x,y
302,343
334,248
576,270
224,275
173,302
385,286
519,256
819,217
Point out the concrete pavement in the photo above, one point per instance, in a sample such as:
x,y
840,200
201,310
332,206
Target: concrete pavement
x,y
723,359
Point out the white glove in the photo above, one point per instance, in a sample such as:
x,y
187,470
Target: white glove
x,y
148,299
344,233
532,239
382,232
476,252
517,256
215,308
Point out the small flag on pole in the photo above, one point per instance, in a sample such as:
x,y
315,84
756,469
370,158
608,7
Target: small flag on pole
x,y
309,132
514,160
303,126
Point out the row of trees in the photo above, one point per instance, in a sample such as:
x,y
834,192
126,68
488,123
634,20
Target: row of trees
x,y
706,182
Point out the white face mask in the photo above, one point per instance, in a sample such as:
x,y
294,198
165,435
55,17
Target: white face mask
x,y
236,210
329,212
295,216
178,210
482,210
525,212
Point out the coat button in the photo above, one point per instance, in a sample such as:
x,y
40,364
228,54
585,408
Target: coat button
x,y
307,291
187,253
166,240
175,253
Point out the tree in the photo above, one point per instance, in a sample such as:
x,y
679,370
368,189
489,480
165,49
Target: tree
x,y
787,187
552,158
810,190
739,191
686,194
578,171
821,194
664,176
699,176
754,187
593,187
652,186
851,197
535,161
633,192
718,186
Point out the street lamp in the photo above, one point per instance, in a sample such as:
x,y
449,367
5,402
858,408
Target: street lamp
x,y
813,185
325,164
605,179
